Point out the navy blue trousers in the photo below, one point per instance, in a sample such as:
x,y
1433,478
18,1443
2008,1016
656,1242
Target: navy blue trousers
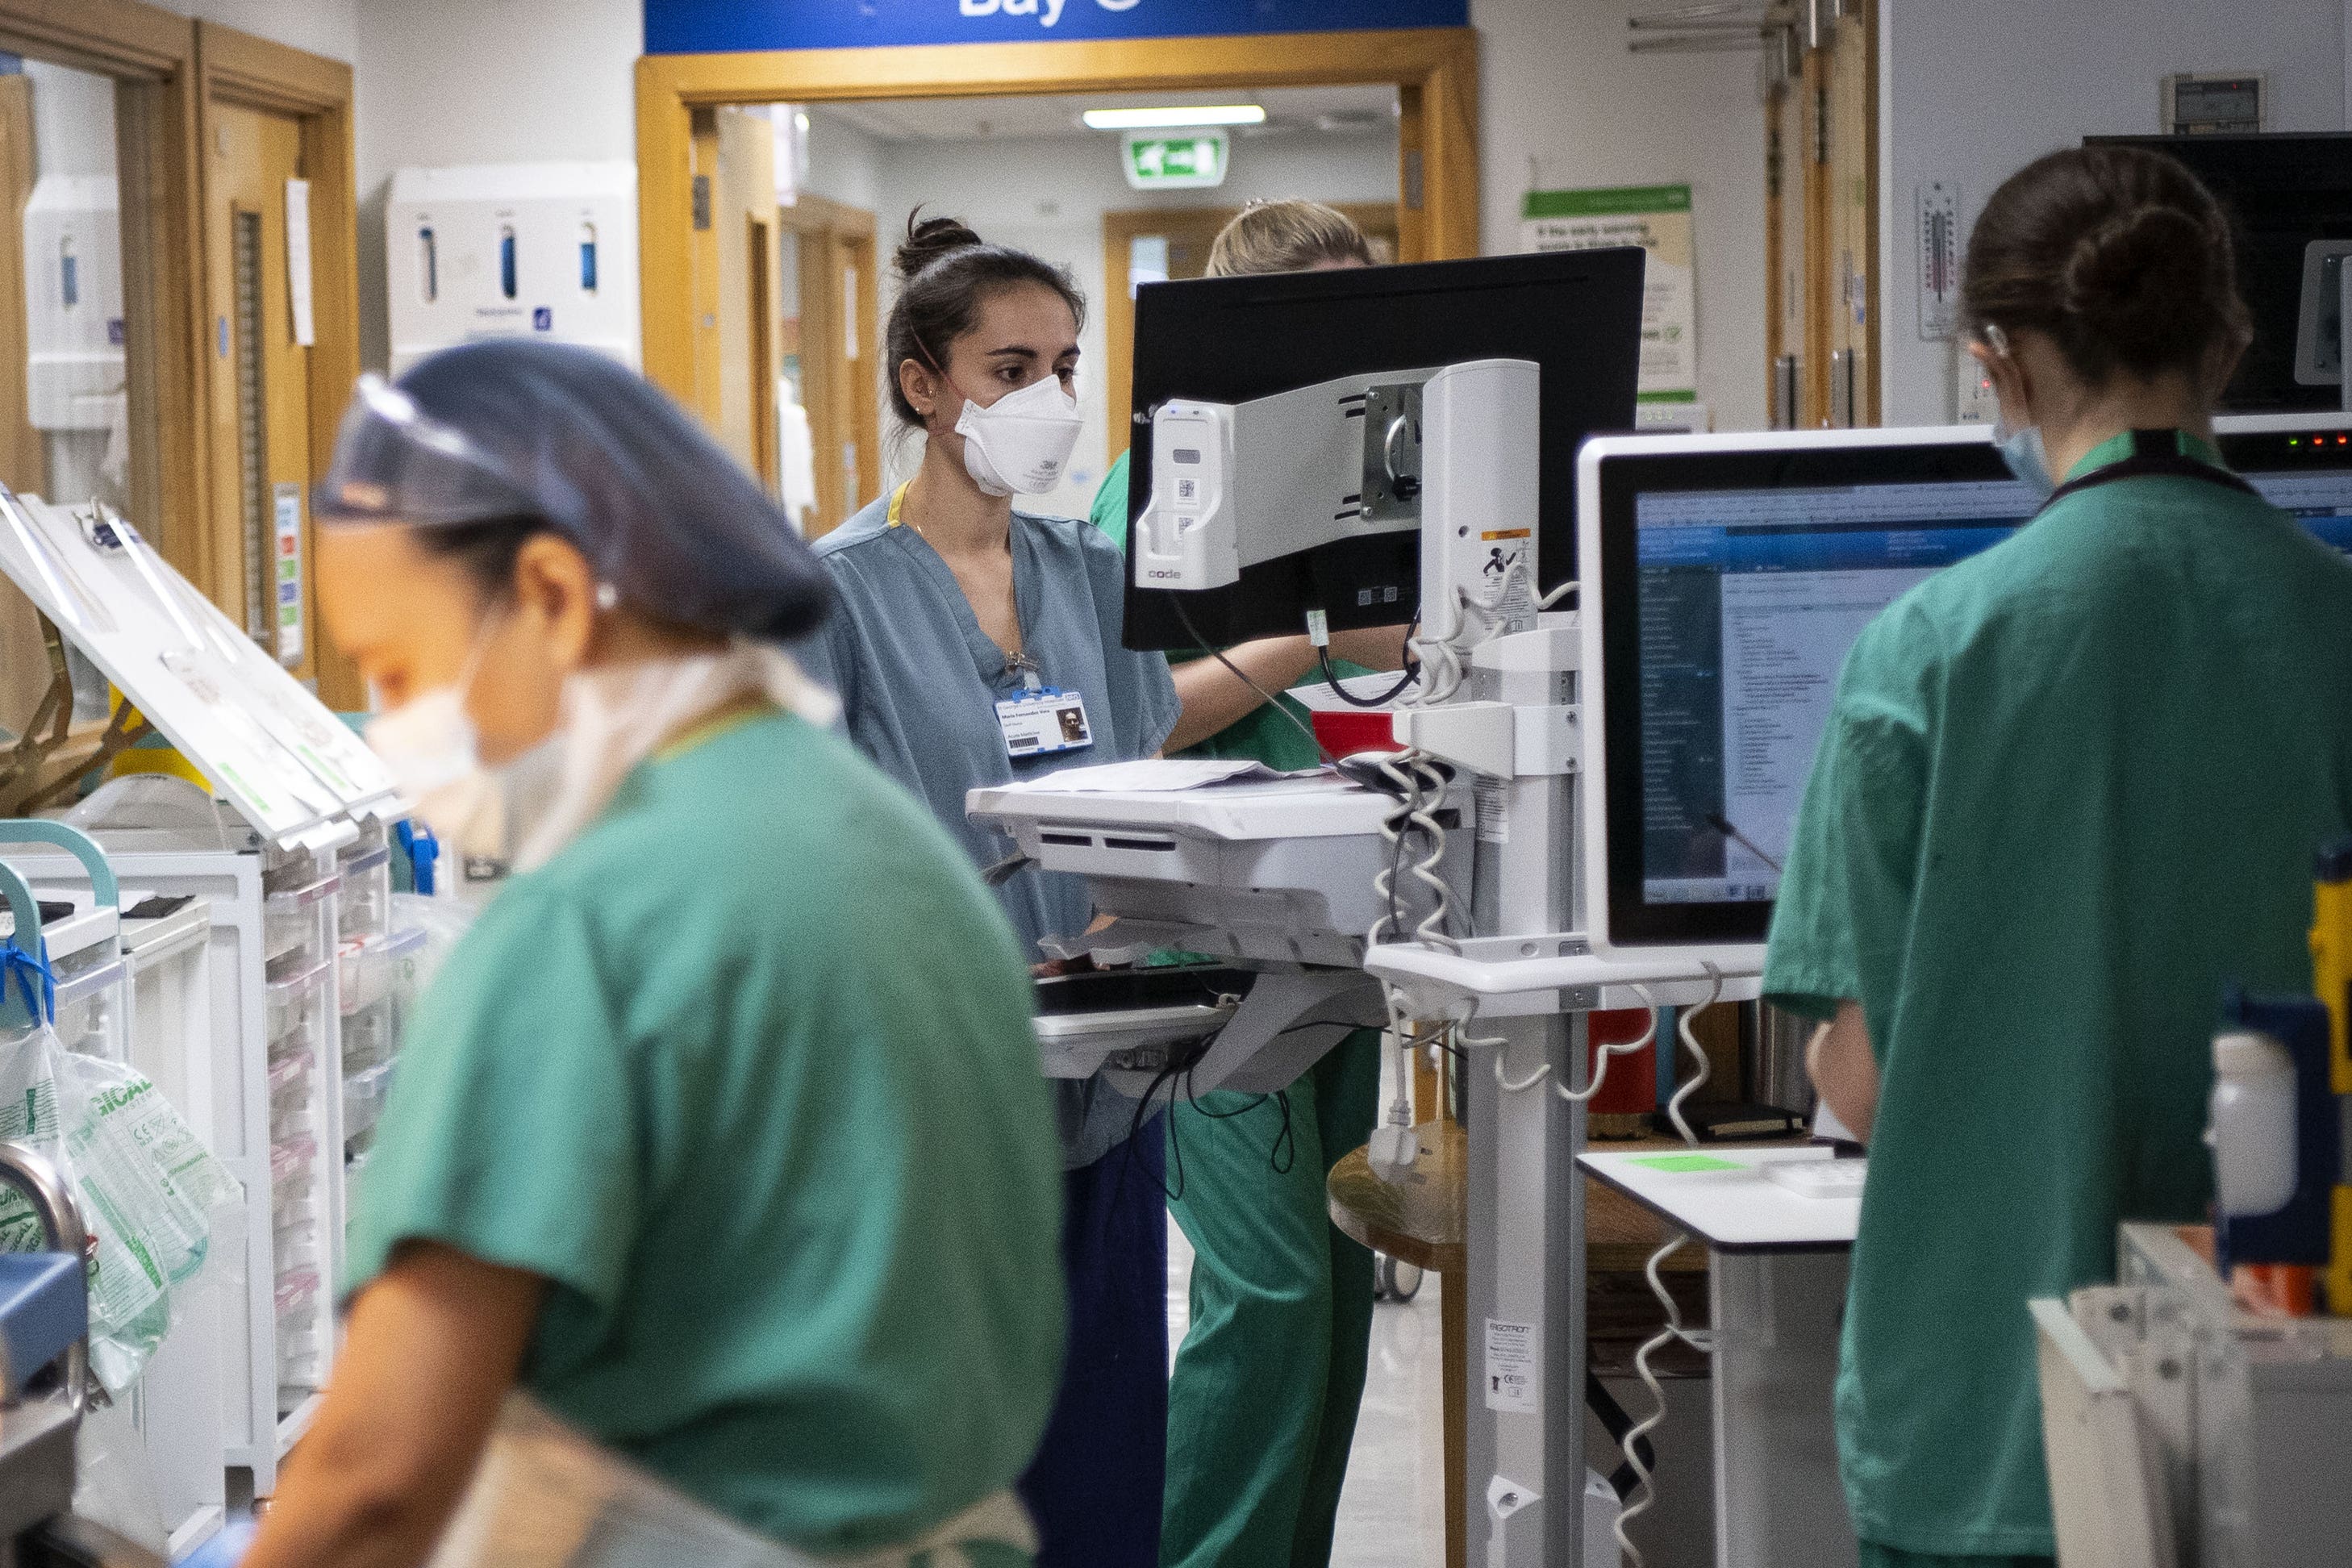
x,y
1094,1485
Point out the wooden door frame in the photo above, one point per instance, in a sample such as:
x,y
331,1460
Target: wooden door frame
x,y
147,48
238,69
1435,70
831,224
1118,231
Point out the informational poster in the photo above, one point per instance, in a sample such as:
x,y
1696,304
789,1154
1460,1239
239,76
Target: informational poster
x,y
298,261
1658,219
289,556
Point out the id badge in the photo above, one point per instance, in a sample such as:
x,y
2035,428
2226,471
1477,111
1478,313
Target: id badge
x,y
1041,722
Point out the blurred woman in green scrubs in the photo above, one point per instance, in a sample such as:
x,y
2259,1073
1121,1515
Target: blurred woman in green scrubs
x,y
689,1145
1262,1401
2069,789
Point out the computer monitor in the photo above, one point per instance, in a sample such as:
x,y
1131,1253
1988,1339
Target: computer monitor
x,y
1576,314
2291,198
1729,576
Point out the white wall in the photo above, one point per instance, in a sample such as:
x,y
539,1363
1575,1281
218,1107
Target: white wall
x,y
73,120
1972,89
1558,86
1048,197
329,27
845,164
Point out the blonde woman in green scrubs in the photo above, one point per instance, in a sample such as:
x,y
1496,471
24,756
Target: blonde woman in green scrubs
x,y
2069,789
1262,1403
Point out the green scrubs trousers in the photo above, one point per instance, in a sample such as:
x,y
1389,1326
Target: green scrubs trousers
x,y
1262,1407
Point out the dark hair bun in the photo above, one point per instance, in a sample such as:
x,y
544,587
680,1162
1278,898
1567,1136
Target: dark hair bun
x,y
2136,277
928,240
2119,255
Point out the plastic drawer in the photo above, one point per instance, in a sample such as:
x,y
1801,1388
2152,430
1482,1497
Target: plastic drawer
x,y
294,1003
363,1097
364,903
292,920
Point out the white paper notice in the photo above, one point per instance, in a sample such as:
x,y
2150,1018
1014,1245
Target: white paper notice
x,y
298,261
1511,1380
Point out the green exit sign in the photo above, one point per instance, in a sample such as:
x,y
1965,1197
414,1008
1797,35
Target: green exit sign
x,y
1159,160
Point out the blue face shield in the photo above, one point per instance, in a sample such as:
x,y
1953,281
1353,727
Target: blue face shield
x,y
514,429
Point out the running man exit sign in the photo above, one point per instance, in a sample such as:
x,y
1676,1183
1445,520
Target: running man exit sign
x,y
1158,161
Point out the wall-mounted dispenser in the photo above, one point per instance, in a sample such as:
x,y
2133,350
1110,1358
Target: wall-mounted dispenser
x,y
489,250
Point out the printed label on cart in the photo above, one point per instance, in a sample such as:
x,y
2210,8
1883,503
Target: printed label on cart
x,y
1039,723
1494,811
1511,1376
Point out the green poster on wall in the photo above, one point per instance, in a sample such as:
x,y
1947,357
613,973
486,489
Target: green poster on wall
x,y
1658,219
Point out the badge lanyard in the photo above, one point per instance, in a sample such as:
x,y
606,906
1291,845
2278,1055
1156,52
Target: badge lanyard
x,y
1043,720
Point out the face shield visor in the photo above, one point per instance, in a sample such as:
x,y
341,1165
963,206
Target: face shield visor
x,y
394,463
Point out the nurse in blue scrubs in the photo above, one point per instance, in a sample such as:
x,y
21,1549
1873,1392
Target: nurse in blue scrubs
x,y
977,643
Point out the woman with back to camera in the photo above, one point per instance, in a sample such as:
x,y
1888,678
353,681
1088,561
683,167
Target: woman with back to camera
x,y
972,635
1262,1403
684,1146
2069,789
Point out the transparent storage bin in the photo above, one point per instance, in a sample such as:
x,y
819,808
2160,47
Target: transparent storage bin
x,y
296,1005
364,968
289,1199
364,1097
367,1037
364,902
293,1068
404,976
291,1158
295,922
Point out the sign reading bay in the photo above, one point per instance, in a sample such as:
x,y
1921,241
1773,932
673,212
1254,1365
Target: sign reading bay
x,y
1161,161
716,27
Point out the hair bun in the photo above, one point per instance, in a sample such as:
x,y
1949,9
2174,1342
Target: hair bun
x,y
927,241
2139,276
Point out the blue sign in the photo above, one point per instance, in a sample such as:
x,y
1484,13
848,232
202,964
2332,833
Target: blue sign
x,y
542,318
717,26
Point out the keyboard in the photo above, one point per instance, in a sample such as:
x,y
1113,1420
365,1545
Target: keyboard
x,y
1819,1178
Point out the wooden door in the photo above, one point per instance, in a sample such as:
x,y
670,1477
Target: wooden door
x,y
1850,59
834,333
760,333
1177,241
262,416
1822,213
742,205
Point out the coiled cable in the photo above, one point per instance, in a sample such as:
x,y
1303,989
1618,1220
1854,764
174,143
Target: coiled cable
x,y
1646,1490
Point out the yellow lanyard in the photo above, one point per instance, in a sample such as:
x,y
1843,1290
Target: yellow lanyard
x,y
1016,662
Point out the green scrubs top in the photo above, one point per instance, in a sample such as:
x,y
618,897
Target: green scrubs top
x,y
2069,789
1263,734
746,1073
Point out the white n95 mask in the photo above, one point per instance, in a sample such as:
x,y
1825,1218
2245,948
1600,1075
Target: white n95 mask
x,y
1021,441
433,752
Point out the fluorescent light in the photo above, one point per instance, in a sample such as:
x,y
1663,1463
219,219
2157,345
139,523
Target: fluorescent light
x,y
1168,119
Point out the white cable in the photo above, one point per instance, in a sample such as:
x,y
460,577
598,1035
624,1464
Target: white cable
x,y
1420,789
1599,1066
1698,1053
1624,1048
1646,1494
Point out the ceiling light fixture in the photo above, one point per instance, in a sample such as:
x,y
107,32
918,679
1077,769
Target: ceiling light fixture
x,y
1179,117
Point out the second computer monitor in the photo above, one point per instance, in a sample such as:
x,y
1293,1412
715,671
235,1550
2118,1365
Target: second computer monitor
x,y
1726,579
